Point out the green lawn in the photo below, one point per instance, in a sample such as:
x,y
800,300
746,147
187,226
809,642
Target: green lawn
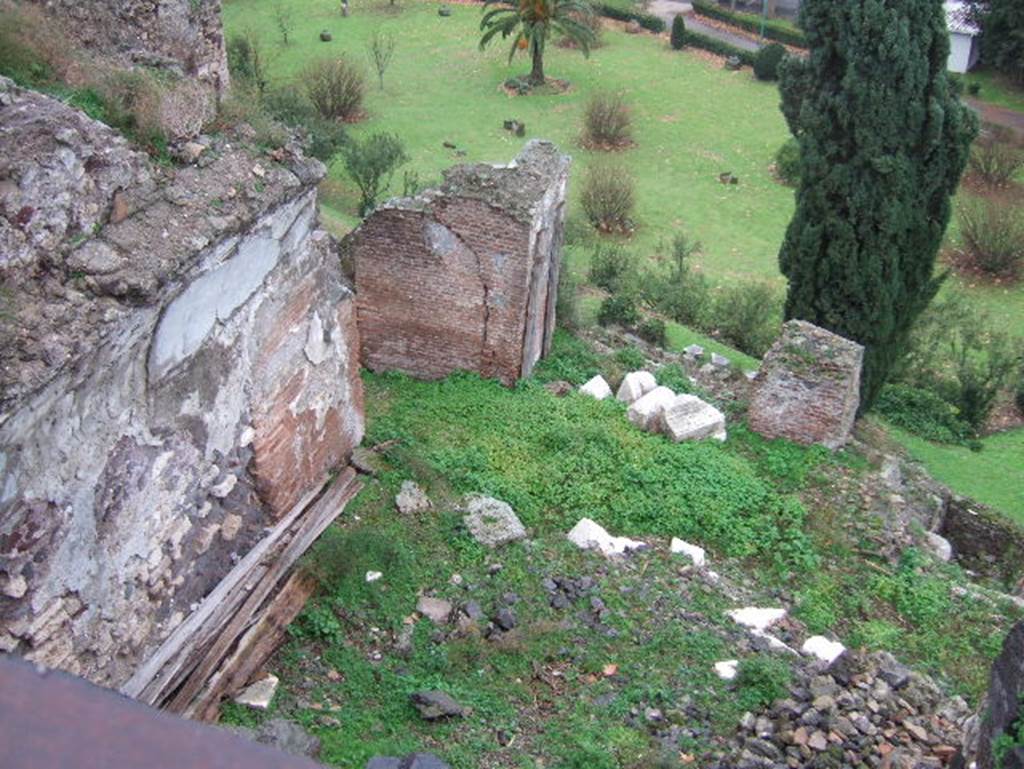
x,y
993,476
996,89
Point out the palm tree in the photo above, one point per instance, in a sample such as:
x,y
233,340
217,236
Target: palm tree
x,y
529,22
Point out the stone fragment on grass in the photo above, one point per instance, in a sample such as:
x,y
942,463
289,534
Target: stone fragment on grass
x,y
597,388
411,499
822,648
726,669
492,522
694,552
939,546
719,361
693,352
259,694
635,385
373,576
434,705
755,618
589,535
436,610
645,412
687,417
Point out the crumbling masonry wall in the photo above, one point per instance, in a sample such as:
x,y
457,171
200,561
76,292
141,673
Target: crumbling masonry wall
x,y
178,366
186,36
465,276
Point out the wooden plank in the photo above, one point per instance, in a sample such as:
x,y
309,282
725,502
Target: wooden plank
x,y
158,674
320,515
256,646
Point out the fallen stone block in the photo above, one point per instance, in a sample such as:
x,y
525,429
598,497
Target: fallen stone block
x,y
645,412
808,388
822,648
726,669
687,417
694,552
635,385
597,388
259,694
436,610
755,618
939,546
434,705
590,535
411,499
492,522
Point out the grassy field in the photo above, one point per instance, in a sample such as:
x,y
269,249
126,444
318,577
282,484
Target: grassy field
x,y
564,688
692,120
993,476
996,89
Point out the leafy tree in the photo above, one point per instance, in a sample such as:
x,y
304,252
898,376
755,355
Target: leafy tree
x,y
371,163
1002,34
882,145
530,22
678,37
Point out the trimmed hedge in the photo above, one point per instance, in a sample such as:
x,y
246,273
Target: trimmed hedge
x,y
773,29
645,20
714,45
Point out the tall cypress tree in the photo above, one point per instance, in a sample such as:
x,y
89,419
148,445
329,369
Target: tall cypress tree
x,y
883,142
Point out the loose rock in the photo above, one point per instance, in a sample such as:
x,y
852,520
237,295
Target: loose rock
x,y
492,522
411,499
434,705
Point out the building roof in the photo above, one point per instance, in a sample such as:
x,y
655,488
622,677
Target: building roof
x,y
959,20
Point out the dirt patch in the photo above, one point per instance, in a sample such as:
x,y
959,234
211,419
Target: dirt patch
x,y
553,86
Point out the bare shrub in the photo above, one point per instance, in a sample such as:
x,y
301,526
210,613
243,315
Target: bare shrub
x,y
606,122
609,197
185,108
335,87
993,233
381,49
996,156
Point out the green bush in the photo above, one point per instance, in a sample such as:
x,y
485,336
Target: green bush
x,y
609,197
335,87
631,358
611,267
606,122
774,29
957,353
767,61
672,376
762,680
371,163
678,38
570,359
246,62
323,139
720,47
646,20
922,413
787,162
683,294
747,316
996,156
652,330
619,309
921,598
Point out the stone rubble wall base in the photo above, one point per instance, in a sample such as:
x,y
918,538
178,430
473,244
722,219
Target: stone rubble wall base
x,y
185,412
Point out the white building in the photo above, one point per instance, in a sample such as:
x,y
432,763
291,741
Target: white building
x,y
963,38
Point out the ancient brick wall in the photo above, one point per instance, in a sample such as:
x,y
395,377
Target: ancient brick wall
x,y
181,35
808,387
178,366
465,277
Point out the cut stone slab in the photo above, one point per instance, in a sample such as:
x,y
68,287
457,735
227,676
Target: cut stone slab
x,y
492,522
259,694
694,552
436,610
822,648
755,618
597,388
719,361
635,385
411,499
687,418
645,412
940,547
434,705
589,535
726,669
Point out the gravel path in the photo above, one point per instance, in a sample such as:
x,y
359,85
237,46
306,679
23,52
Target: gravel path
x,y
668,9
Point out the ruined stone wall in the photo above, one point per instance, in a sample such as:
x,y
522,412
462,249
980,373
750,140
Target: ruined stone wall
x,y
178,365
182,35
465,277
